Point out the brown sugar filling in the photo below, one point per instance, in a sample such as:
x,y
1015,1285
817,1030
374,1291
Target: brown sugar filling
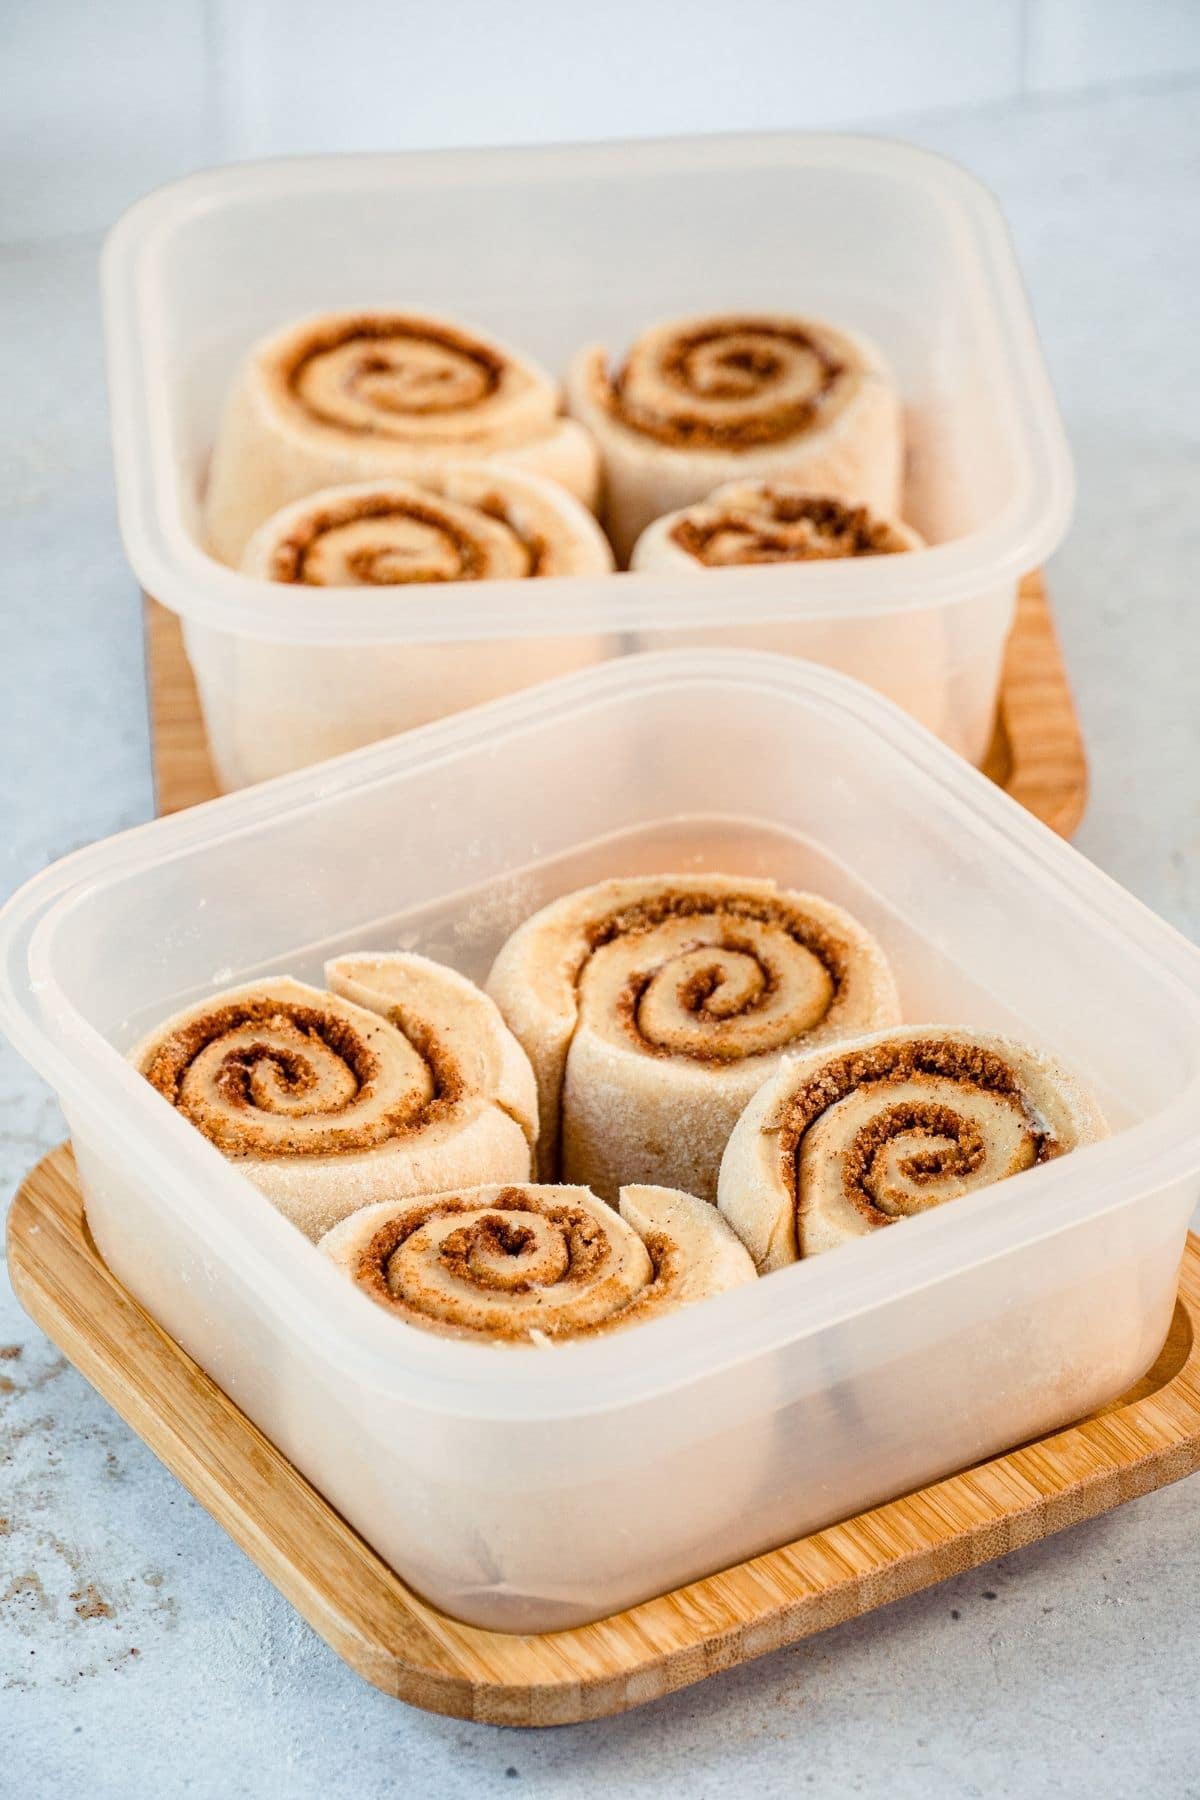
x,y
705,986
379,329
173,1057
891,1064
956,1147
587,1249
290,557
751,368
667,1269
234,1079
787,528
535,545
696,993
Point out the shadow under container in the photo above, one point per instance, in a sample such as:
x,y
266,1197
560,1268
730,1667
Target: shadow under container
x,y
526,1490
552,249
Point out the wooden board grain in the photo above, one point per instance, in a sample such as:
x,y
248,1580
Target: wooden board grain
x,y
394,1639
183,773
1036,752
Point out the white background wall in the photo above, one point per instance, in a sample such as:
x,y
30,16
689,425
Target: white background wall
x,y
107,98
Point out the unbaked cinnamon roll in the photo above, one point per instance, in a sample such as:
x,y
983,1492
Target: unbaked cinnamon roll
x,y
471,522
702,401
402,1079
846,1141
749,522
652,1008
756,523
349,397
524,1264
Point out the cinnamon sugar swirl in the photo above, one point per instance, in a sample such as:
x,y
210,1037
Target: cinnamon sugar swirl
x,y
652,1009
702,401
399,1080
471,522
524,1264
756,522
847,1141
348,397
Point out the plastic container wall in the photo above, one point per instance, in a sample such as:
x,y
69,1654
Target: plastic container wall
x,y
528,1490
878,236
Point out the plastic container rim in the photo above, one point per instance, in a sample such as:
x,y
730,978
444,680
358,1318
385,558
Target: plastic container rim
x,y
96,1084
172,567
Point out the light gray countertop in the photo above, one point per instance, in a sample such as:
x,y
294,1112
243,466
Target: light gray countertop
x,y
140,1652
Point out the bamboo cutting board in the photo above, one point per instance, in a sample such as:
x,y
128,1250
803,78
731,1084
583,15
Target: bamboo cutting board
x,y
1036,752
394,1639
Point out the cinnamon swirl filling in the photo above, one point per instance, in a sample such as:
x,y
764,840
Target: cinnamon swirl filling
x,y
264,1076
714,977
399,1078
844,1142
695,403
652,1008
467,523
772,524
537,1264
733,382
375,373
912,1124
389,539
351,397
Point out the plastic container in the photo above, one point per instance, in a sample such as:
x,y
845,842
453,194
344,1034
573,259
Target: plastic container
x,y
552,249
528,1490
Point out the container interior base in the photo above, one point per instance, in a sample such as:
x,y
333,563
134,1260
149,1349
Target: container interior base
x,y
1147,1438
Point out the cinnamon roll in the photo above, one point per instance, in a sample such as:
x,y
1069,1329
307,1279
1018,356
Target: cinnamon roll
x,y
523,1264
470,522
849,1140
748,522
652,1008
350,397
401,1079
702,401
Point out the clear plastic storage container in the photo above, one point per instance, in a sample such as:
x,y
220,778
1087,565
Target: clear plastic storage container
x,y
527,1489
552,249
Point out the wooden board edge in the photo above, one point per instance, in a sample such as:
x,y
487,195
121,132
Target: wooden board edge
x,y
179,754
448,1667
1049,771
